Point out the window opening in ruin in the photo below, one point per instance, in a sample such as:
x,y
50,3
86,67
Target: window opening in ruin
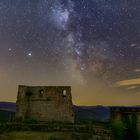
x,y
28,94
64,93
48,99
41,92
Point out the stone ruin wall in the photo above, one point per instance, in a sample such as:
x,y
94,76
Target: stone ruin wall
x,y
45,104
118,112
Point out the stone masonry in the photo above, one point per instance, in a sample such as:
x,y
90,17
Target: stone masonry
x,y
45,103
117,113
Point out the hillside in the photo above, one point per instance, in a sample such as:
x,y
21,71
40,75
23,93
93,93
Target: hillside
x,y
7,110
82,113
92,113
8,106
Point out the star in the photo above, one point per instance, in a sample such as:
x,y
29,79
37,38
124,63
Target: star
x,y
65,42
10,49
29,54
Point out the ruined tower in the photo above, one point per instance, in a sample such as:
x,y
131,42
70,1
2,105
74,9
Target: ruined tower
x,y
119,113
45,103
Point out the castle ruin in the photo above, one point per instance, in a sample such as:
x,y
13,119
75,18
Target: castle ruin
x,y
45,103
119,113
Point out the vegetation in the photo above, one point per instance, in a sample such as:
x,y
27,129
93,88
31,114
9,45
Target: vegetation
x,y
131,124
6,115
134,127
125,129
52,131
118,128
30,135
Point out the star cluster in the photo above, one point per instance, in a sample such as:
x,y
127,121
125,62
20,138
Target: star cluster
x,y
93,45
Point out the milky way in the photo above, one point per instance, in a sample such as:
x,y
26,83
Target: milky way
x,y
93,45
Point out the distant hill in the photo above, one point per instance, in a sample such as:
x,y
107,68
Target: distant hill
x,y
7,110
8,106
82,113
92,113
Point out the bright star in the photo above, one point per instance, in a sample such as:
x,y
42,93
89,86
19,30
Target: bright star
x,y
29,54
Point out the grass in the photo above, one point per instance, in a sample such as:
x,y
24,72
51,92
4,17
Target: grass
x,y
29,135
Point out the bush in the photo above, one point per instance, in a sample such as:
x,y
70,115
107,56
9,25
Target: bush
x,y
3,128
54,138
118,128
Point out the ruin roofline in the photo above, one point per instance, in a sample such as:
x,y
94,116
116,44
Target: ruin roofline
x,y
44,86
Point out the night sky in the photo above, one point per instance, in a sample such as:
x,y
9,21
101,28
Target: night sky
x,y
92,45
